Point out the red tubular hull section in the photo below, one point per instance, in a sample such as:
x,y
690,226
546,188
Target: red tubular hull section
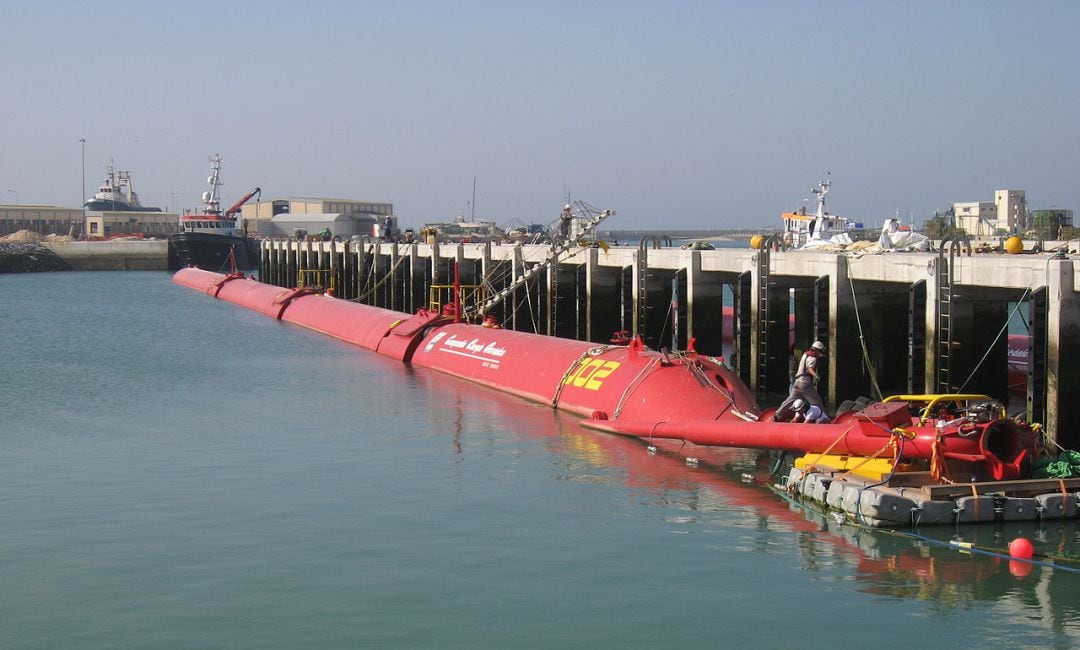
x,y
352,322
502,359
402,340
853,437
198,280
243,291
580,377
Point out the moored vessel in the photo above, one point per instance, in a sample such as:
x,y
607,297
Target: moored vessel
x,y
115,194
801,228
462,231
210,239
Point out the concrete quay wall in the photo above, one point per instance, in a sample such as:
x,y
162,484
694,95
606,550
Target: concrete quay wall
x,y
115,255
894,323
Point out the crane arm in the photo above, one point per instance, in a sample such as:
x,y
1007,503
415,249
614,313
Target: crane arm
x,y
247,197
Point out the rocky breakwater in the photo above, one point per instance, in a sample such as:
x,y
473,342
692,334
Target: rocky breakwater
x,y
24,252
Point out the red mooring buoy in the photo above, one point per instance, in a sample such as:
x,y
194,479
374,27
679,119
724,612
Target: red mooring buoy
x,y
1022,548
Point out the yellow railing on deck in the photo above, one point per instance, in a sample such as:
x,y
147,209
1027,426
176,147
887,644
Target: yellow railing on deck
x,y
470,296
317,278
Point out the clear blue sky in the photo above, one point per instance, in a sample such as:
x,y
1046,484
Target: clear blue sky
x,y
676,114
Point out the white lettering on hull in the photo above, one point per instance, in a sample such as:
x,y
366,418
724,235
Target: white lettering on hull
x,y
489,355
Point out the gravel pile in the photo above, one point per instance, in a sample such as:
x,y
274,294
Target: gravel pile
x,y
23,237
29,258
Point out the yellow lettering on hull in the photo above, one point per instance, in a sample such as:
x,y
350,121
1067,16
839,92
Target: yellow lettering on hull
x,y
590,373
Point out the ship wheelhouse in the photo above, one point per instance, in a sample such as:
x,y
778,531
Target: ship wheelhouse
x,y
208,223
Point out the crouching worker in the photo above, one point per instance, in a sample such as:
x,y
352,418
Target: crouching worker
x,y
800,410
807,412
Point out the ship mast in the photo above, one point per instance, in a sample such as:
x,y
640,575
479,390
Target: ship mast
x,y
821,190
211,198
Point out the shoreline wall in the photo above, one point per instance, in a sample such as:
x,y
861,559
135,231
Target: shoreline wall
x,y
116,255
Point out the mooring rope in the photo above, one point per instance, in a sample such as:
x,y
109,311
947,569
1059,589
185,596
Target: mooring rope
x,y
997,338
381,282
862,342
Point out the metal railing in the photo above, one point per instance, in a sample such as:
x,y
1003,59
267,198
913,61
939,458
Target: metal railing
x,y
470,297
318,279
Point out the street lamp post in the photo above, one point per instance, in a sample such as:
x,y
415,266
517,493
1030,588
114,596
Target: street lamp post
x,y
82,200
16,196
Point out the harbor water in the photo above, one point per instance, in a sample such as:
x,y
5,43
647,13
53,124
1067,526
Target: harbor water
x,y
179,472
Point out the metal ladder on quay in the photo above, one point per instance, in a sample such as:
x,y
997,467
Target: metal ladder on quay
x,y
641,313
763,320
946,286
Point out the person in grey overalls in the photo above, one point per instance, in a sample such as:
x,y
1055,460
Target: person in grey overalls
x,y
805,377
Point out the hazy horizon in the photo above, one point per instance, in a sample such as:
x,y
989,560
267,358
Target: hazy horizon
x,y
682,115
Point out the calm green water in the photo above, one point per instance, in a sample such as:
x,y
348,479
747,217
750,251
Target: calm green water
x,y
177,472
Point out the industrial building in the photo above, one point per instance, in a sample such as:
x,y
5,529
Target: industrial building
x,y
345,218
113,224
55,220
43,219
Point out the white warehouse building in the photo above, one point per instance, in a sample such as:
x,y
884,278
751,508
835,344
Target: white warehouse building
x,y
343,217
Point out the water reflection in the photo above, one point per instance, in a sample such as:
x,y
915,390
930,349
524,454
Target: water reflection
x,y
709,489
891,563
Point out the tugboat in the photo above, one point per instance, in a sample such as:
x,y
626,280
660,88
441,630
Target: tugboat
x,y
115,194
210,239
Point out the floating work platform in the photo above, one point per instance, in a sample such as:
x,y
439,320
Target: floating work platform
x,y
914,498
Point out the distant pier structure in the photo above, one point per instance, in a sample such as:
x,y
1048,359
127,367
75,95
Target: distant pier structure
x,y
896,323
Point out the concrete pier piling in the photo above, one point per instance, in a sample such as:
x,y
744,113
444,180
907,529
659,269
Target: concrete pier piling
x,y
893,323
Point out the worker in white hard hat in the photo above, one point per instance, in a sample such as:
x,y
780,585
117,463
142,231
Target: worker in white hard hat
x,y
564,222
805,382
807,412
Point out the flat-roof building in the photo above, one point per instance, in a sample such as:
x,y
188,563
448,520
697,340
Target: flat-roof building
x,y
1007,213
56,220
343,217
